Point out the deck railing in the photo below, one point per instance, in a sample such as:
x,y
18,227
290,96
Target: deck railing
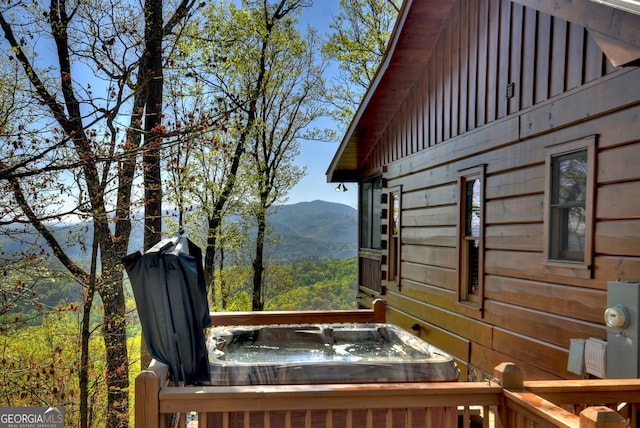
x,y
507,401
376,314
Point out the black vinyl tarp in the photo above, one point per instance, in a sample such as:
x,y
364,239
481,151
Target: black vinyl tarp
x,y
169,289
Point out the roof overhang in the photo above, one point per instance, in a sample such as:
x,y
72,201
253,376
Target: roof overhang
x,y
410,47
419,24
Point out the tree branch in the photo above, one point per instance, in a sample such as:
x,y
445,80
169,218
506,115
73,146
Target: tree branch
x,y
58,251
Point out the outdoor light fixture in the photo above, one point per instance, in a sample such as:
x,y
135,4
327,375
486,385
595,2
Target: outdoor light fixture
x,y
341,188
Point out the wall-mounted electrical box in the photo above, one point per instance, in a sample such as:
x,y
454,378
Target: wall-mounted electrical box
x,y
575,364
622,317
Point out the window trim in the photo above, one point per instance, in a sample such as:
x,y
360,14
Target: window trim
x,y
581,269
464,296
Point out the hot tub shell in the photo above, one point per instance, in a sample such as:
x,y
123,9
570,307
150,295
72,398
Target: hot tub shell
x,y
323,353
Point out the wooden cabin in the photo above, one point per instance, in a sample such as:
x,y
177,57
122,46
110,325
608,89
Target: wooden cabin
x,y
497,153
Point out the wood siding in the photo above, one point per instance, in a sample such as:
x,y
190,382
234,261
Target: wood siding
x,y
459,116
488,45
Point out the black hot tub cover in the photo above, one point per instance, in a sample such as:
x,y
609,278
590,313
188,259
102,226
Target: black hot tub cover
x,y
169,289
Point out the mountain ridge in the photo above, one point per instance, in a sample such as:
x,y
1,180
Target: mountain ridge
x,y
307,230
315,229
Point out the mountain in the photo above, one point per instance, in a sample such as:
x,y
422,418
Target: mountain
x,y
306,230
316,229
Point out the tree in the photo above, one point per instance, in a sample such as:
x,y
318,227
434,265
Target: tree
x,y
290,103
84,69
205,177
230,53
359,41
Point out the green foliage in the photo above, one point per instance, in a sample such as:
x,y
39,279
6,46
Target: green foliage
x,y
241,302
311,285
38,366
232,290
320,285
40,349
259,80
359,41
312,272
320,296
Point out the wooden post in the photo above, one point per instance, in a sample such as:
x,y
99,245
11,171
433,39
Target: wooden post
x,y
601,417
510,376
147,399
379,310
147,403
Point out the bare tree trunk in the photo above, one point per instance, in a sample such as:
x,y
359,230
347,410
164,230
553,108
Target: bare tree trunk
x,y
210,250
115,338
257,303
152,75
85,336
224,292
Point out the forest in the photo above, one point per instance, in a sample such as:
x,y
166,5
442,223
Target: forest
x,y
40,341
152,117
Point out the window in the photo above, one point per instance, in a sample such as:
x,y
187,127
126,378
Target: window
x,y
471,245
393,266
370,222
567,207
568,202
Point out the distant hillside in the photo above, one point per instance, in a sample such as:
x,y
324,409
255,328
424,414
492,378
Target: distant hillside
x,y
307,230
317,229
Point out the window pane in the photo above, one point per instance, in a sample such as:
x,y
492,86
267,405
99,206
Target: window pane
x,y
571,173
395,216
376,211
473,280
365,215
370,221
472,204
568,233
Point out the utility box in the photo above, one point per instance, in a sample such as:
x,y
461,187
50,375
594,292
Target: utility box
x,y
622,318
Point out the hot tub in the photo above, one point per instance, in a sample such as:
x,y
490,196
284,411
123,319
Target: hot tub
x,y
323,353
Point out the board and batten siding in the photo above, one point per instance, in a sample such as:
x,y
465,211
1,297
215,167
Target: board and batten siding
x,y
458,116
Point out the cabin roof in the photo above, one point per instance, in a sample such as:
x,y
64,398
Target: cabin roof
x,y
417,29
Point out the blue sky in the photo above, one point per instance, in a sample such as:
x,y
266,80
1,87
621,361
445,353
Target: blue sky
x,y
315,155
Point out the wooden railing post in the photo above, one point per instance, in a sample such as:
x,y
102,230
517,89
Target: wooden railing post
x,y
510,376
147,400
379,310
601,417
147,403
